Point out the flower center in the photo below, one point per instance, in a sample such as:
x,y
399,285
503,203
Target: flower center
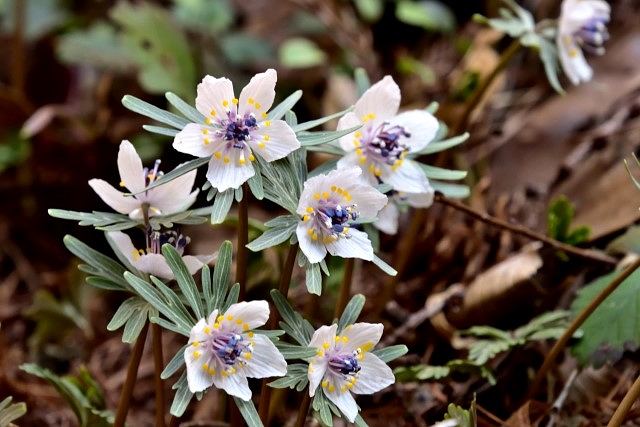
x,y
386,143
345,364
592,35
228,347
174,238
153,174
237,130
335,217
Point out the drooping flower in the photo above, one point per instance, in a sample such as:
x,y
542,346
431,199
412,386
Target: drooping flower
x,y
223,350
381,146
151,260
581,28
328,204
344,365
174,196
389,215
236,129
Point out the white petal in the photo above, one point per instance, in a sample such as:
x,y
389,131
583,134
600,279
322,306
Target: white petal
x,y
408,177
235,385
191,140
351,160
266,361
348,121
130,167
382,100
252,313
313,249
357,246
195,263
572,59
374,375
114,198
197,378
388,219
345,402
318,365
279,142
223,175
324,334
174,196
124,244
317,369
419,200
155,265
362,335
420,124
212,93
257,96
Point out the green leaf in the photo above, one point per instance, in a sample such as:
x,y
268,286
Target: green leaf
x,y
384,266
221,276
351,312
455,191
445,144
221,206
98,45
291,351
296,377
187,110
184,278
370,10
362,80
255,183
430,15
248,411
144,108
313,279
160,130
293,322
559,217
10,412
433,172
104,266
549,58
298,52
178,172
391,353
279,110
100,220
323,137
182,397
465,418
174,364
273,237
232,297
317,122
210,17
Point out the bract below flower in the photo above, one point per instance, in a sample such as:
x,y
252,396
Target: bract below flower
x,y
581,27
380,147
223,350
388,217
235,129
172,197
328,204
344,365
151,260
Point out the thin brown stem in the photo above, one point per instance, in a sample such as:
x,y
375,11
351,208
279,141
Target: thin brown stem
x,y
592,255
283,287
479,94
577,322
627,402
243,239
17,53
158,364
345,287
304,409
132,374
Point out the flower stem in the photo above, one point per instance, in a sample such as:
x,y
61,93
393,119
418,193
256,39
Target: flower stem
x,y
132,373
158,363
479,93
577,322
304,409
345,287
524,231
243,239
283,287
627,402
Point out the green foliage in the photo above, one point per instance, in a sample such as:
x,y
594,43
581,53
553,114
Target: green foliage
x,y
98,45
41,17
292,322
10,412
370,10
279,230
296,378
559,217
613,327
81,392
248,411
300,52
434,373
109,221
406,64
133,314
464,417
14,151
206,16
430,15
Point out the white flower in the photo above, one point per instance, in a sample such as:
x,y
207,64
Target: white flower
x,y
327,205
235,129
380,147
344,365
388,217
151,260
582,26
223,350
174,196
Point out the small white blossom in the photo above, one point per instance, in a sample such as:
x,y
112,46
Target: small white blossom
x,y
581,27
223,350
380,147
327,206
235,129
389,215
344,365
174,196
151,260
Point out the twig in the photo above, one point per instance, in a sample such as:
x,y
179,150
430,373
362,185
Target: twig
x,y
345,287
243,239
524,231
627,402
158,363
577,322
132,373
562,397
283,287
304,409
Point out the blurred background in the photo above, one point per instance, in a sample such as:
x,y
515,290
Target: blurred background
x,y
67,64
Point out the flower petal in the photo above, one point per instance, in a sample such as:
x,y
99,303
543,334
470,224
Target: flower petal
x,y
174,196
324,334
250,314
374,375
345,402
197,332
421,125
362,335
130,167
155,265
224,175
388,219
408,177
275,141
418,200
313,249
124,245
379,103
266,361
195,263
198,378
192,140
234,384
257,96
212,93
357,246
318,365
349,142
351,160
572,59
114,198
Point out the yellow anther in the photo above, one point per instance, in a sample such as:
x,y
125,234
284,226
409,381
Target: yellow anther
x,y
356,143
359,151
305,217
206,141
314,236
229,317
258,106
309,209
334,188
325,383
264,115
235,101
252,158
226,159
325,195
241,161
196,355
317,196
220,318
326,345
211,371
343,388
250,334
261,144
135,254
320,353
332,388
245,327
344,339
266,137
366,346
267,123
247,356
122,184
251,101
225,103
310,231
207,330
205,131
217,155
205,367
196,344
207,120
363,160
358,134
239,321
